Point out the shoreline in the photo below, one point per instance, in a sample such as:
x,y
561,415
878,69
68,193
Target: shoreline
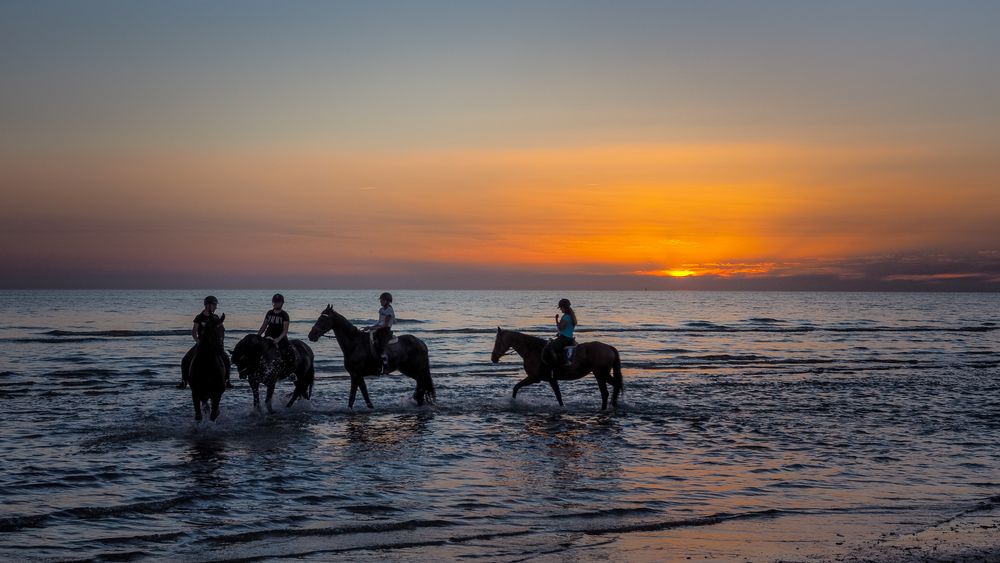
x,y
970,536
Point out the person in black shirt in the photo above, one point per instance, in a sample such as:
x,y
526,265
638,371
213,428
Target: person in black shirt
x,y
275,324
276,321
211,304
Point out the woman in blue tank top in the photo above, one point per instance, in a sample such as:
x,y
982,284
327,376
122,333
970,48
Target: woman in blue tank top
x,y
553,352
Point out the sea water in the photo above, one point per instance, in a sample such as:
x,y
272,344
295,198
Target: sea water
x,y
779,406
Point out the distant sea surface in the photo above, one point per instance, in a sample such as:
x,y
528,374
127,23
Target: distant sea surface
x,y
738,406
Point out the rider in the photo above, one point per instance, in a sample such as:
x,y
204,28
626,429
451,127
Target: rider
x,y
382,330
275,325
553,352
211,304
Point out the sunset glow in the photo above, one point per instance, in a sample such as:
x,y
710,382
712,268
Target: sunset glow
x,y
601,186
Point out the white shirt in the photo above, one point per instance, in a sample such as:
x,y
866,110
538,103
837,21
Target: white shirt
x,y
386,316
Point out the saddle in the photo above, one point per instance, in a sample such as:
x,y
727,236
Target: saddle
x,y
289,355
568,354
388,345
548,356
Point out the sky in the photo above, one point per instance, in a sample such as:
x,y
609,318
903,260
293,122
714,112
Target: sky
x,y
764,145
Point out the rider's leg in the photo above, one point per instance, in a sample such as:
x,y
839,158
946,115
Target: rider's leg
x,y
186,367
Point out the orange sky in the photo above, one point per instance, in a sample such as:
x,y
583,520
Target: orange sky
x,y
766,145
725,210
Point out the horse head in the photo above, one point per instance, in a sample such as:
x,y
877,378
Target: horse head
x,y
323,324
500,347
214,333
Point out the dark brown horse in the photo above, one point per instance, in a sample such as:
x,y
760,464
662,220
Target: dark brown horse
x,y
207,375
590,357
259,360
409,356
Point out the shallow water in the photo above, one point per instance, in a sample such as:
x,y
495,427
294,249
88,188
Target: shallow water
x,y
750,406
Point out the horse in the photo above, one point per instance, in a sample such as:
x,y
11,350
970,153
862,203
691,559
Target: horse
x,y
207,372
409,356
591,357
260,360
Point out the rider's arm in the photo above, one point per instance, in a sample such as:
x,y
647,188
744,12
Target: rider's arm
x,y
562,324
284,331
381,322
263,326
194,331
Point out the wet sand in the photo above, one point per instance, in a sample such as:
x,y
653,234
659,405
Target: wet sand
x,y
972,536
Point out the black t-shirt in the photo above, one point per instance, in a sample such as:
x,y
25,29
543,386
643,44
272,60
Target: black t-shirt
x,y
202,319
275,323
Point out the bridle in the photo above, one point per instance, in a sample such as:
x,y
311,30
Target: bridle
x,y
325,335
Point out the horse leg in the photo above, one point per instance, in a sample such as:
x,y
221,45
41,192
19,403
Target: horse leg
x,y
215,407
602,384
526,381
255,385
307,389
270,394
418,394
364,392
354,392
555,389
197,407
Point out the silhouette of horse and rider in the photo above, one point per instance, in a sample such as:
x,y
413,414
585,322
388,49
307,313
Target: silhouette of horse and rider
x,y
269,356
547,361
372,352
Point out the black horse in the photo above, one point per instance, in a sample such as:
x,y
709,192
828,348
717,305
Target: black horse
x,y
596,357
409,356
207,375
260,360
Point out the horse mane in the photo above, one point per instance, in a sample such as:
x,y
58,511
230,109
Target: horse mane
x,y
341,322
529,337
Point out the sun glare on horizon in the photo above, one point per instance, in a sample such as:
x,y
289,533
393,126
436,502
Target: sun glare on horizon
x,y
353,152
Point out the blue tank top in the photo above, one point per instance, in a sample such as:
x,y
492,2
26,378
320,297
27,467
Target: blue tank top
x,y
568,331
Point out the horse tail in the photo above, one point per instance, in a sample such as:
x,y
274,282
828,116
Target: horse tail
x,y
617,367
429,394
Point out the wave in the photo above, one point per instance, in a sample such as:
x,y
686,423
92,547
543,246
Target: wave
x,y
615,512
683,523
705,327
329,531
14,523
64,340
118,333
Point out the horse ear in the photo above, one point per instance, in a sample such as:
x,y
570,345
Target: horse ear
x,y
498,330
222,319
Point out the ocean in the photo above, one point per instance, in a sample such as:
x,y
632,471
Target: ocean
x,y
813,418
